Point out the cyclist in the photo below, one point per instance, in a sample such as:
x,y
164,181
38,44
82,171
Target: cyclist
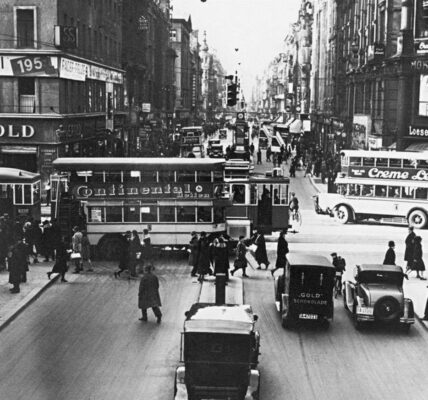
x,y
339,264
293,204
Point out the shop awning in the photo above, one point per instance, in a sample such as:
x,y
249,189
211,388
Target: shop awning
x,y
418,146
296,126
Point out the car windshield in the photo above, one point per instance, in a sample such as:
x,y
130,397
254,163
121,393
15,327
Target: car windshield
x,y
394,278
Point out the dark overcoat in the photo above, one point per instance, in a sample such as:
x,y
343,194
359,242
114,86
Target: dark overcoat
x,y
261,254
281,252
61,259
193,256
410,244
18,263
148,293
418,262
204,263
389,257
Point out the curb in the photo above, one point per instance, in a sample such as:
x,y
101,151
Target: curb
x,y
26,301
422,322
314,184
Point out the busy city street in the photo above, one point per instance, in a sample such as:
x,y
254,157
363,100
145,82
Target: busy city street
x,y
84,339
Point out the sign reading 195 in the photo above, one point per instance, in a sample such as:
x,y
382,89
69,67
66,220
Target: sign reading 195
x,y
30,65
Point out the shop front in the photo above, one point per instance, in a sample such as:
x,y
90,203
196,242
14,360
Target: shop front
x,y
417,138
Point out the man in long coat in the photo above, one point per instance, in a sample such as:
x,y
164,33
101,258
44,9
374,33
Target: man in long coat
x,y
204,263
18,265
281,252
148,294
193,256
410,248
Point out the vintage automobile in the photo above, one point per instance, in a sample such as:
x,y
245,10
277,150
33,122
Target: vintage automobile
x,y
304,292
215,150
377,295
219,354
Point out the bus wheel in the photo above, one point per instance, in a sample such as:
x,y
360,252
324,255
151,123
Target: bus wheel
x,y
110,248
417,219
343,214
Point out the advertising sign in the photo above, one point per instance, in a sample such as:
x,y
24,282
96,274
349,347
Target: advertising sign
x,y
418,132
28,66
360,130
144,191
404,174
66,37
73,70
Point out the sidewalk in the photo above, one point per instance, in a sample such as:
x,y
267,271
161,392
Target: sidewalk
x,y
414,289
12,304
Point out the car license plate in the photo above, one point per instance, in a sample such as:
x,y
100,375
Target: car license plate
x,y
365,310
308,316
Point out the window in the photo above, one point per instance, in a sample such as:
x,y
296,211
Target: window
x,y
395,163
394,192
185,176
131,212
131,176
380,191
203,176
409,163
148,176
166,214
113,177
238,192
368,190
355,161
186,214
166,176
114,214
381,162
173,35
25,28
27,95
218,176
407,192
421,193
96,214
219,215
148,213
36,192
204,214
368,162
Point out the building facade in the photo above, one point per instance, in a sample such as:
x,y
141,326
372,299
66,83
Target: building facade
x,y
61,82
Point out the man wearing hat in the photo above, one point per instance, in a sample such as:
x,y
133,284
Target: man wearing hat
x,y
194,253
76,242
410,248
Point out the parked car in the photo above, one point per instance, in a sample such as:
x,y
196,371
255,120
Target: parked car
x,y
219,354
304,292
377,295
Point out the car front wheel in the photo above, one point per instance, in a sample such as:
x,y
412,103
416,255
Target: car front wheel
x,y
343,214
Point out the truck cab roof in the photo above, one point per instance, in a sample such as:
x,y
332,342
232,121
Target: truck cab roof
x,y
228,319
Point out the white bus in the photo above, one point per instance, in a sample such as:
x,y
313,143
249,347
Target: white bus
x,y
379,185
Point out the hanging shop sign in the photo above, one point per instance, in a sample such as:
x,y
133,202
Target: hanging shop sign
x,y
28,65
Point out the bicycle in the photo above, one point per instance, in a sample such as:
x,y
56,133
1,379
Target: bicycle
x,y
337,284
296,219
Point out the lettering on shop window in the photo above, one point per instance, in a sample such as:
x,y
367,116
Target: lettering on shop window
x,y
418,132
153,191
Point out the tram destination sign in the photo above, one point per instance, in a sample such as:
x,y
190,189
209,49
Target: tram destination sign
x,y
401,174
144,191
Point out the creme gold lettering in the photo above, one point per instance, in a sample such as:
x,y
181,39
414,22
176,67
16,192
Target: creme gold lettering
x,y
11,134
2,130
27,131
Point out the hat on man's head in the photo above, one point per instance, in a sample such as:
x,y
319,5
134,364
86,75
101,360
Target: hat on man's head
x,y
193,233
333,254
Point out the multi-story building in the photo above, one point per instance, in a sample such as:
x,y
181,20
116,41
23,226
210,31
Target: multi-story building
x,y
195,48
61,83
148,61
180,41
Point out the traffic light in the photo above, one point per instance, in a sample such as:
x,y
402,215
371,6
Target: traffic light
x,y
231,94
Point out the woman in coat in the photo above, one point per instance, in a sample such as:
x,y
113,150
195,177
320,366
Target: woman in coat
x,y
134,253
86,250
221,258
61,259
18,265
281,252
410,244
193,256
148,294
261,254
204,264
418,262
390,254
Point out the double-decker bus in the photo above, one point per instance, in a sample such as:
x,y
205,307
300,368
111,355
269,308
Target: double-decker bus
x,y
191,141
380,185
19,193
171,197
